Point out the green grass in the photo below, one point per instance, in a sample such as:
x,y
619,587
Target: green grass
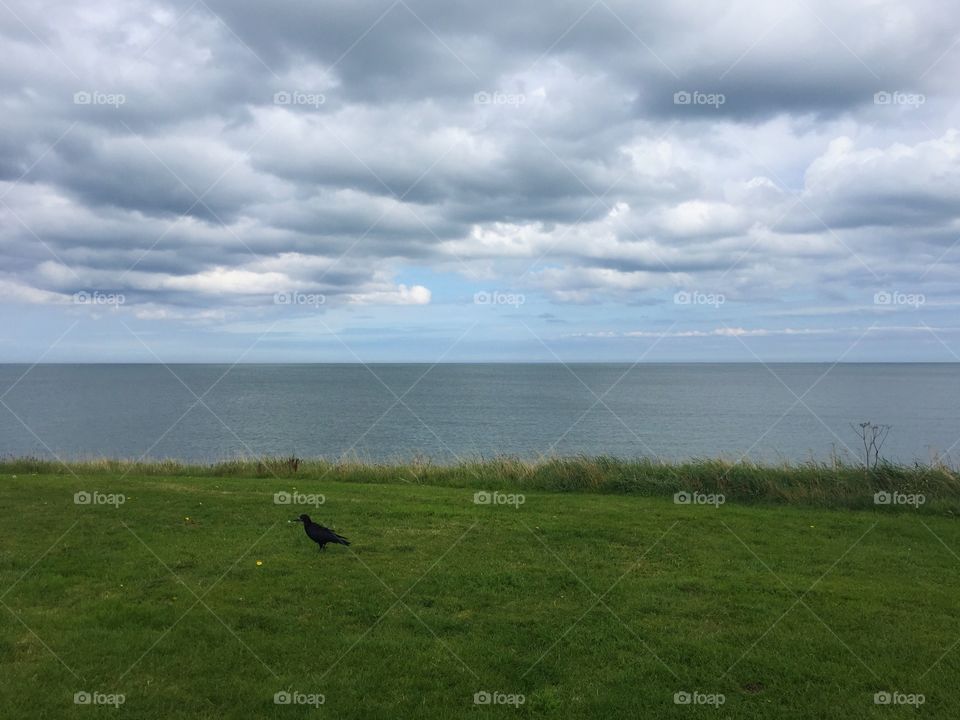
x,y
789,610
833,484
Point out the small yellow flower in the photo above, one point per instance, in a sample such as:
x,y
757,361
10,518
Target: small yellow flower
x,y
259,562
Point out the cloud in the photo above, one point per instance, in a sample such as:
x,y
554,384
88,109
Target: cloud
x,y
201,158
739,332
402,295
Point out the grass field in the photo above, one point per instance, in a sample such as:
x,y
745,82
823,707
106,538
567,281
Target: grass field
x,y
196,598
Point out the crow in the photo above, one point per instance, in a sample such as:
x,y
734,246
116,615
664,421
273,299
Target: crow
x,y
319,534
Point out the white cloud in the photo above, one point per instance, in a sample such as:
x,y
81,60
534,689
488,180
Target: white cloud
x,y
401,295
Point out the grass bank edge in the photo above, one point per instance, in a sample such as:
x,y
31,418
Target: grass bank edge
x,y
917,487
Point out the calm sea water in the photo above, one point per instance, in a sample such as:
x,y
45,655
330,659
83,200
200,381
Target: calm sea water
x,y
445,412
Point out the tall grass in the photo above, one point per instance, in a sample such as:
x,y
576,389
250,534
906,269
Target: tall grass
x,y
831,484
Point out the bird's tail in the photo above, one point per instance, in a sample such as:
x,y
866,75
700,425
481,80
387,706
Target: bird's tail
x,y
341,540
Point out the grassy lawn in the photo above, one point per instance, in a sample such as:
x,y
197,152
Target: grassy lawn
x,y
196,598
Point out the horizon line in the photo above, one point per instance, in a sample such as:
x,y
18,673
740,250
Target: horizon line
x,y
361,363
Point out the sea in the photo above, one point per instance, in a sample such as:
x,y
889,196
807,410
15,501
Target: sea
x,y
446,413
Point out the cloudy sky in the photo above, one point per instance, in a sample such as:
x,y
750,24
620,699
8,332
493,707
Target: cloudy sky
x,y
426,180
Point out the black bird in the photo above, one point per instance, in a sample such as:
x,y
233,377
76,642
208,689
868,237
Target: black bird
x,y
319,534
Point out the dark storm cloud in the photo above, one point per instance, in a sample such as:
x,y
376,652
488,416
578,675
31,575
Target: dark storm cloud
x,y
818,58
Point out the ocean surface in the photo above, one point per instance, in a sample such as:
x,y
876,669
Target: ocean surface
x,y
451,411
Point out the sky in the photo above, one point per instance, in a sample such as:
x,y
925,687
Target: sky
x,y
435,181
